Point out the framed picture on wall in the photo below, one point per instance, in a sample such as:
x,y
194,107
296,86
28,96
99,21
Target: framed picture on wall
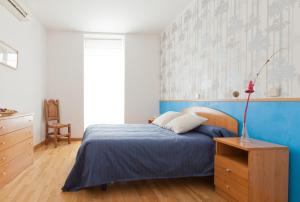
x,y
8,56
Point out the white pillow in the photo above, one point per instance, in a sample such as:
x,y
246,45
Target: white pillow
x,y
165,118
185,123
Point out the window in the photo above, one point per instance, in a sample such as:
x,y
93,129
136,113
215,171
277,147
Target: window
x,y
104,80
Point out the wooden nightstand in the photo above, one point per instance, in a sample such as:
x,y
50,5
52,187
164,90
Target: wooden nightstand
x,y
151,120
254,171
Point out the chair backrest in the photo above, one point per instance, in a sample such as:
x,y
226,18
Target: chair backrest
x,y
51,108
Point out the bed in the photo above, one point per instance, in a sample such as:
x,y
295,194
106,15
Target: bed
x,y
117,153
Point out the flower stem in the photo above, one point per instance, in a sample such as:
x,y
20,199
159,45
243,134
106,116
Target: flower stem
x,y
246,109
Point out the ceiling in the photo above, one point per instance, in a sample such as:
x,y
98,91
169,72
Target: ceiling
x,y
108,16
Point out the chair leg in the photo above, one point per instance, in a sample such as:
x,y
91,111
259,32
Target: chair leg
x,y
55,137
46,138
58,132
69,132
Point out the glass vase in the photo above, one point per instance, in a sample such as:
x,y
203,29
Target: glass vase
x,y
245,136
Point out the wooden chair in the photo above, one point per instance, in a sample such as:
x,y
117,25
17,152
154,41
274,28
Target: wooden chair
x,y
53,125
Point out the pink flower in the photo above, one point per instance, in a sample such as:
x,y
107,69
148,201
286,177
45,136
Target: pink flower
x,y
250,88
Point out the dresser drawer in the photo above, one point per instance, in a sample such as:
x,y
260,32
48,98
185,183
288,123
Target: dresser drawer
x,y
12,152
13,138
232,189
13,124
14,167
232,167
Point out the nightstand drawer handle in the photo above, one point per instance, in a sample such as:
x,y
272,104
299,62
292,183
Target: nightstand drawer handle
x,y
228,170
3,143
3,158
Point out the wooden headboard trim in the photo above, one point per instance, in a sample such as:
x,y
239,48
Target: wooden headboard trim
x,y
215,118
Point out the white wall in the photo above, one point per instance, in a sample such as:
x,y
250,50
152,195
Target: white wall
x,y
142,84
24,89
65,77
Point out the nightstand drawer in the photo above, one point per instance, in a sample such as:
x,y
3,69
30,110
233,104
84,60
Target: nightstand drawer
x,y
232,167
227,174
232,189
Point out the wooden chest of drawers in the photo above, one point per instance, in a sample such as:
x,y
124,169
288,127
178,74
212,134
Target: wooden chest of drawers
x,y
16,149
253,171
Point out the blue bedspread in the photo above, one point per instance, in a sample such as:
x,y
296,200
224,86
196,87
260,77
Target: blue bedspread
x,y
115,153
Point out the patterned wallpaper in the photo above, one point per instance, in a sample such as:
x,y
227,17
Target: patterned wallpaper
x,y
216,46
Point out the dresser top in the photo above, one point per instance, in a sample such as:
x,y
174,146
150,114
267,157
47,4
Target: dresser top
x,y
251,145
15,116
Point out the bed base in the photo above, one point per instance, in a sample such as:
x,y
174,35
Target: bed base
x,y
103,187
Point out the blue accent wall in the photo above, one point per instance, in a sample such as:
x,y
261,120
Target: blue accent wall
x,y
277,122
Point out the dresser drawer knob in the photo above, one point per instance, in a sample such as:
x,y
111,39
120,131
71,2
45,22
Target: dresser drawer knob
x,y
3,158
227,187
3,173
228,170
2,143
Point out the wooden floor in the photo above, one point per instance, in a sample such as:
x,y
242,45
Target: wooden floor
x,y
43,180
